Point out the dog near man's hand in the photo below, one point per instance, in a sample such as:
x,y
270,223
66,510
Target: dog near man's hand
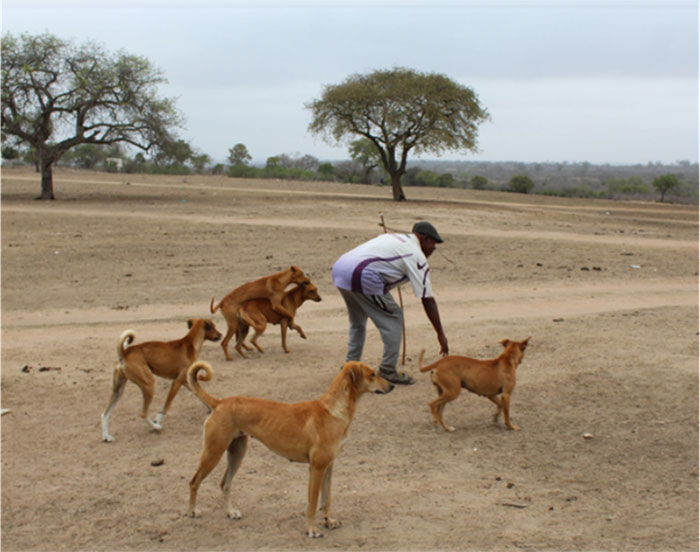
x,y
494,379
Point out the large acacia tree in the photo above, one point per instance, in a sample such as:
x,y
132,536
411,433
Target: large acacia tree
x,y
57,95
399,111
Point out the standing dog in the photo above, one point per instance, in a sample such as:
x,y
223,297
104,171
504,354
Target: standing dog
x,y
494,379
167,359
269,287
311,432
258,312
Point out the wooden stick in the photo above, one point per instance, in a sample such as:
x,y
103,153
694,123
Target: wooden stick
x,y
403,321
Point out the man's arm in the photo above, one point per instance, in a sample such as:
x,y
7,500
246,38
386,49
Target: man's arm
x,y
433,314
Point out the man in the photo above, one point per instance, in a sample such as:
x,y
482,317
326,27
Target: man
x,y
365,275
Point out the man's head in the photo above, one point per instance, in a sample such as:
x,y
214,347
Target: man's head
x,y
428,237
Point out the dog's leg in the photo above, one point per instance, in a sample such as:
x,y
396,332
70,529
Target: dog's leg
x,y
235,453
505,402
316,474
142,376
499,408
254,339
118,386
445,395
216,442
224,342
330,523
283,332
174,388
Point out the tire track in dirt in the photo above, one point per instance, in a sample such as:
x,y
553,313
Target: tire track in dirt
x,y
457,305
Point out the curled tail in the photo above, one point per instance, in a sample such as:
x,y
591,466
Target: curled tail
x,y
125,340
193,382
420,363
213,308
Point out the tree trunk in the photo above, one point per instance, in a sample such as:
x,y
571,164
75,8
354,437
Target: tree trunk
x,y
46,179
396,188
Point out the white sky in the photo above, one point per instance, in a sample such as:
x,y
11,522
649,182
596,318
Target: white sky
x,y
609,81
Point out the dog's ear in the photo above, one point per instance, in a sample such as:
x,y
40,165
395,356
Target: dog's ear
x,y
505,342
190,323
355,374
523,344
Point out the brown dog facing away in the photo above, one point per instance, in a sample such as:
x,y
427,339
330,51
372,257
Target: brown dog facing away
x,y
310,432
268,287
258,312
168,359
494,379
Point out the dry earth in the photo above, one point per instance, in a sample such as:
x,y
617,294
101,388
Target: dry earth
x,y
607,290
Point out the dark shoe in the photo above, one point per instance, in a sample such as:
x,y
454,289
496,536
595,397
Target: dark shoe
x,y
401,378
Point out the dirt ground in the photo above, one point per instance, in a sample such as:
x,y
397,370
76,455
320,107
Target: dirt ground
x,y
607,290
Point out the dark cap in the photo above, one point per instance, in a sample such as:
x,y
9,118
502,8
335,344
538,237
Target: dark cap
x,y
427,229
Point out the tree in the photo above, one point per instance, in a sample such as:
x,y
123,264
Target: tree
x,y
521,184
399,111
57,95
479,182
665,183
326,171
238,155
364,153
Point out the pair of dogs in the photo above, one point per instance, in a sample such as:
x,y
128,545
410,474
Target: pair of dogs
x,y
313,432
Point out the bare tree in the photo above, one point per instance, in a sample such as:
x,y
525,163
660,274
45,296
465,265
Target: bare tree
x,y
56,95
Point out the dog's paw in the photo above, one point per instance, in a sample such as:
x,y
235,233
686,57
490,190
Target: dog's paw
x,y
108,438
234,514
155,425
195,513
314,533
331,523
449,428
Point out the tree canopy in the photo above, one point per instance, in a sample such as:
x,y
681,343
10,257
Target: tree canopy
x,y
57,95
399,110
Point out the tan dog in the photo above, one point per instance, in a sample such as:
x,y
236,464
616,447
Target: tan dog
x,y
269,287
258,312
167,359
494,379
311,432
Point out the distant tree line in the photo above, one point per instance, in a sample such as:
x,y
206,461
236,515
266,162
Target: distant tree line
x,y
79,106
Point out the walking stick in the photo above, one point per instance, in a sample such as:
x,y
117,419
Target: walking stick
x,y
403,321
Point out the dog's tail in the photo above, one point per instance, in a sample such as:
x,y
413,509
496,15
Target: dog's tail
x,y
125,340
213,308
420,363
193,378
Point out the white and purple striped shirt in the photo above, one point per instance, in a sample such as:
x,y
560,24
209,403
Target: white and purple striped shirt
x,y
382,263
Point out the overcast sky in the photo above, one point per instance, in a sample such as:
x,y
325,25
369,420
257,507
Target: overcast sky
x,y
608,81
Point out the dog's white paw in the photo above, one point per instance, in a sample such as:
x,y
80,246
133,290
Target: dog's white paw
x,y
234,514
450,428
155,425
194,513
314,533
107,438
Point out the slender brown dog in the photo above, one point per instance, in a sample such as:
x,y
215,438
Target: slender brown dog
x,y
258,312
167,359
494,379
268,287
311,432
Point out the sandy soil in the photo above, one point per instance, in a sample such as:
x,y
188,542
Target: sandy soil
x,y
607,290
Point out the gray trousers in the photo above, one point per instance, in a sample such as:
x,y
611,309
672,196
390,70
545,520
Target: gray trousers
x,y
386,315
